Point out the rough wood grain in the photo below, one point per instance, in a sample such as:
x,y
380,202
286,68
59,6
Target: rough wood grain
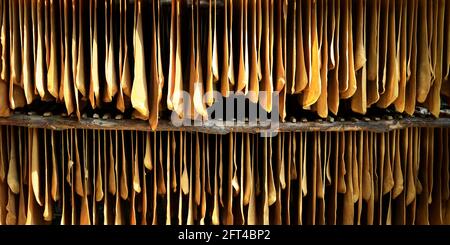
x,y
223,127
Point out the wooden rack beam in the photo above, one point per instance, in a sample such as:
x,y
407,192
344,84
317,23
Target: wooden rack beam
x,y
219,127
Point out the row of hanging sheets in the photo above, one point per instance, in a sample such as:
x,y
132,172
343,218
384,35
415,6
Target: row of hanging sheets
x,y
79,176
137,56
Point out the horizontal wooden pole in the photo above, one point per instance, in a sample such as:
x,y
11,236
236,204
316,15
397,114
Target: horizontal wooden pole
x,y
221,127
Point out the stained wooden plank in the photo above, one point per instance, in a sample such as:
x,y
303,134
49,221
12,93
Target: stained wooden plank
x,y
222,127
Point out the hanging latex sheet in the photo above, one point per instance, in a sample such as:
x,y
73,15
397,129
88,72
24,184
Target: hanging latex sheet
x,y
337,56
134,177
